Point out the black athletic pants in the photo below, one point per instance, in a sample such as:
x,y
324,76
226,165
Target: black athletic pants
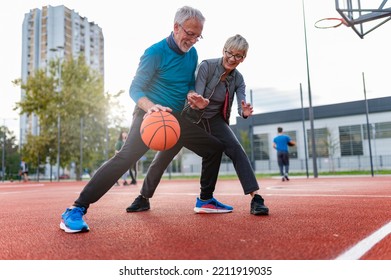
x,y
192,137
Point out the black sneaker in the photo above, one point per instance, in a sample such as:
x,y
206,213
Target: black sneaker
x,y
286,177
139,204
258,207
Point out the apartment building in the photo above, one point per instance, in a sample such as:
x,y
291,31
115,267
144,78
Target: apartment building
x,y
54,33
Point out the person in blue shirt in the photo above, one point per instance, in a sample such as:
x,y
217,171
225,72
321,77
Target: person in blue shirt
x,y
163,80
281,143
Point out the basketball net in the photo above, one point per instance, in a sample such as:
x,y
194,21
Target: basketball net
x,y
325,23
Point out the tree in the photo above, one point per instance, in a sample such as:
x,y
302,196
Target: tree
x,y
11,155
76,97
245,141
332,144
40,99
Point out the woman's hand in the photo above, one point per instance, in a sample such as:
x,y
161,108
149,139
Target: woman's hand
x,y
197,101
247,109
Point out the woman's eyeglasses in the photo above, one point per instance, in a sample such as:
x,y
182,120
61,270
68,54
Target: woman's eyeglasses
x,y
236,56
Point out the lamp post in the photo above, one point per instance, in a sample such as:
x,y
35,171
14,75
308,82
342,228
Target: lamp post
x,y
304,132
58,49
368,132
3,154
311,110
3,150
81,146
252,134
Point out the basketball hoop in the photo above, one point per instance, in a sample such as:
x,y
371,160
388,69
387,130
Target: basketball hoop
x,y
325,23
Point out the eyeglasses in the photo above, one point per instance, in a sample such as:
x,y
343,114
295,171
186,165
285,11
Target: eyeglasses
x,y
236,56
191,34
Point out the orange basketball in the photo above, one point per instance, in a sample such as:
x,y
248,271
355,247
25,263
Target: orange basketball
x,y
160,131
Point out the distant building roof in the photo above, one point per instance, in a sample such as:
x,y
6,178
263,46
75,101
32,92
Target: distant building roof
x,y
376,105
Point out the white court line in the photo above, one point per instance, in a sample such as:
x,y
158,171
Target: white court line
x,y
287,195
20,185
18,192
362,247
331,195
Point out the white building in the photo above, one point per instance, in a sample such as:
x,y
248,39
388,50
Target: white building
x,y
340,132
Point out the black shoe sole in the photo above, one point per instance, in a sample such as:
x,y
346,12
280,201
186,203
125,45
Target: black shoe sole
x,y
137,210
260,212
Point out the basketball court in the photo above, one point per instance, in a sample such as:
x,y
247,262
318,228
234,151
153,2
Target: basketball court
x,y
317,219
310,219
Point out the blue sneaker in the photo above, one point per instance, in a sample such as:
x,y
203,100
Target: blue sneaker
x,y
211,206
72,220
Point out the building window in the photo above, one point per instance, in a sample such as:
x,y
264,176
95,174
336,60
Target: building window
x,y
383,130
350,138
380,130
261,147
365,131
292,150
321,142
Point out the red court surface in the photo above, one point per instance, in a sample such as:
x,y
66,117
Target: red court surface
x,y
319,228
310,219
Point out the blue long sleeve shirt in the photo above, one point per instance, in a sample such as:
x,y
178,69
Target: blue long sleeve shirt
x,y
281,142
165,76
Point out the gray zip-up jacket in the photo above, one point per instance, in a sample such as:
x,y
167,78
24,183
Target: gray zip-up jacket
x,y
209,73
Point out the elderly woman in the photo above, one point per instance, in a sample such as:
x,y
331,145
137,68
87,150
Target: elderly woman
x,y
219,81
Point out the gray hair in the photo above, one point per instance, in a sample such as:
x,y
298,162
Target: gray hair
x,y
238,43
185,13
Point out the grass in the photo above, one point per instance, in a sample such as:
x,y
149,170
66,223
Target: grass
x,y
270,175
233,176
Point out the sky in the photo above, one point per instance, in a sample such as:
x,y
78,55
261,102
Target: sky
x,y
274,68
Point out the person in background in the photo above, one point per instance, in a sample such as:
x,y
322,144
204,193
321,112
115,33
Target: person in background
x,y
24,171
118,145
281,143
218,81
133,174
163,80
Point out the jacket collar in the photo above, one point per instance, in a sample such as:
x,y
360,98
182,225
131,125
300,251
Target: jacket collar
x,y
172,44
